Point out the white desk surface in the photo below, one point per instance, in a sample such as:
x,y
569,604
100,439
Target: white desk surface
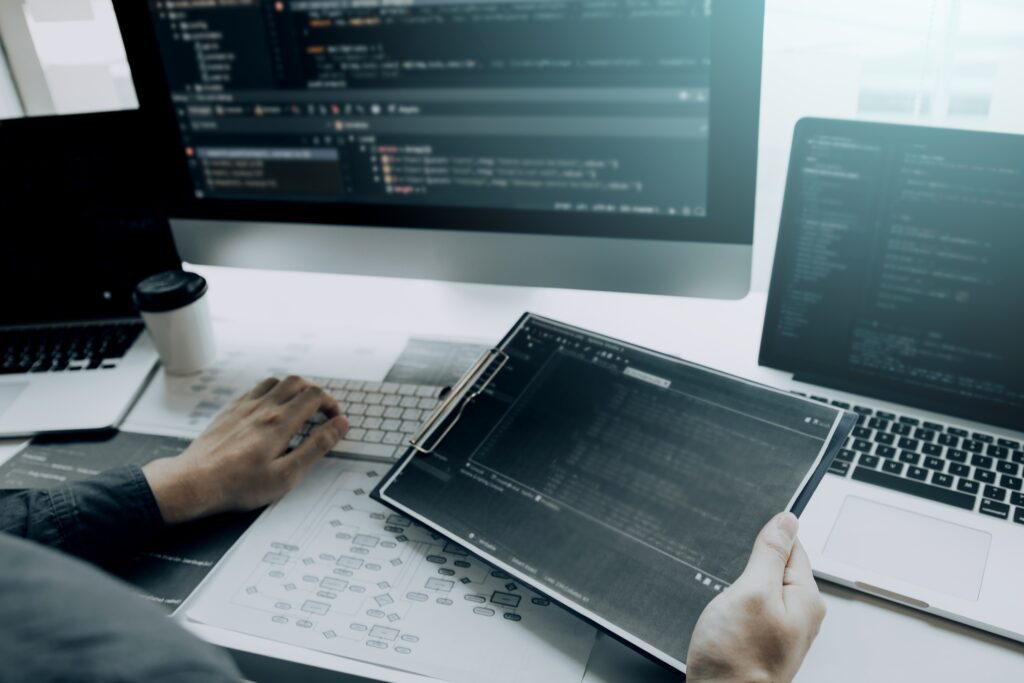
x,y
863,638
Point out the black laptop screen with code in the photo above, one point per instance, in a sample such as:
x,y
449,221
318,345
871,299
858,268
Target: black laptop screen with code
x,y
898,271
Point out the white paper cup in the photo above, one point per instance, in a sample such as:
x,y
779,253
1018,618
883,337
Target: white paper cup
x,y
176,311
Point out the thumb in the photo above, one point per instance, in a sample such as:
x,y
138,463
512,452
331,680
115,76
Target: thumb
x,y
767,564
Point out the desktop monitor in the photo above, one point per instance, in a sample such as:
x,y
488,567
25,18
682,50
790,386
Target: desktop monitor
x,y
599,144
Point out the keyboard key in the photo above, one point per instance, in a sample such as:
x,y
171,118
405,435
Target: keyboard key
x,y
374,399
389,400
948,440
909,420
863,410
968,486
892,467
878,423
884,415
1009,443
901,429
915,488
868,461
885,451
1018,457
412,414
990,507
917,473
924,434
375,411
1017,498
845,455
366,450
427,391
841,404
1012,483
981,461
409,426
374,436
956,455
391,425
393,438
839,467
1007,467
995,493
909,444
934,463
860,433
407,389
393,412
972,446
940,479
998,451
987,438
984,476
910,457
373,422
355,434
959,470
962,433
931,449
1018,515
934,426
885,438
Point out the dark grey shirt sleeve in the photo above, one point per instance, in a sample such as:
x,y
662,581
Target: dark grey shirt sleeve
x,y
94,519
66,621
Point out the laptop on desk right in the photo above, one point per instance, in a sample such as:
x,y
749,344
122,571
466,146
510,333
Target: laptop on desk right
x,y
898,291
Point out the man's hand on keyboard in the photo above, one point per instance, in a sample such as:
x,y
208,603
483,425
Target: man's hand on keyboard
x,y
242,461
760,628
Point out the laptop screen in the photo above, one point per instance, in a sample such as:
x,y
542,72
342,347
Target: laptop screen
x,y
899,270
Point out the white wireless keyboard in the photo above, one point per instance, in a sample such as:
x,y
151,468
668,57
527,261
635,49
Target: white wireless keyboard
x,y
383,416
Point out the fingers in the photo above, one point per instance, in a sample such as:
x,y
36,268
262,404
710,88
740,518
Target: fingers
x,y
771,554
263,387
288,388
800,593
320,441
798,571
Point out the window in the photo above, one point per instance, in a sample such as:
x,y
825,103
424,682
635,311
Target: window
x,y
62,57
956,63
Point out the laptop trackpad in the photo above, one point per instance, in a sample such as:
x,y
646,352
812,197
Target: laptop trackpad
x,y
8,393
940,556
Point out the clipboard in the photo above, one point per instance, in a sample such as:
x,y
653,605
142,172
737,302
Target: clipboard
x,y
621,483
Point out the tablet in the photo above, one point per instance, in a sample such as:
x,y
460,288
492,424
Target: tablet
x,y
624,484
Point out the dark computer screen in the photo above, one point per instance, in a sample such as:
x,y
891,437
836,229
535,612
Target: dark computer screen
x,y
596,108
898,269
610,477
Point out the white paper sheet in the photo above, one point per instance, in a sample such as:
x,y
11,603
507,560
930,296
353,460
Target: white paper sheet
x,y
329,569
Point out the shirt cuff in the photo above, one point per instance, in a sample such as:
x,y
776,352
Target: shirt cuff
x,y
112,512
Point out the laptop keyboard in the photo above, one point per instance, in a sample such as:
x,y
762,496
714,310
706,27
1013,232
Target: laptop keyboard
x,y
382,416
969,470
71,348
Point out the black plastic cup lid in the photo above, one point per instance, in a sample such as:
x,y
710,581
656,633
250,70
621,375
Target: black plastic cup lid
x,y
168,291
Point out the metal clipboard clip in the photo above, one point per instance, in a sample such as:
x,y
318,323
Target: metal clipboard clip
x,y
454,404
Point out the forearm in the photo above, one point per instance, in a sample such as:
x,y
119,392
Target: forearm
x,y
103,516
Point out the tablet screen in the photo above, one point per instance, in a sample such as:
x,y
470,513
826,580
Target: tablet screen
x,y
624,484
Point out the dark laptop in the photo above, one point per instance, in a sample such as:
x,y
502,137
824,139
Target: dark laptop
x,y
897,292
